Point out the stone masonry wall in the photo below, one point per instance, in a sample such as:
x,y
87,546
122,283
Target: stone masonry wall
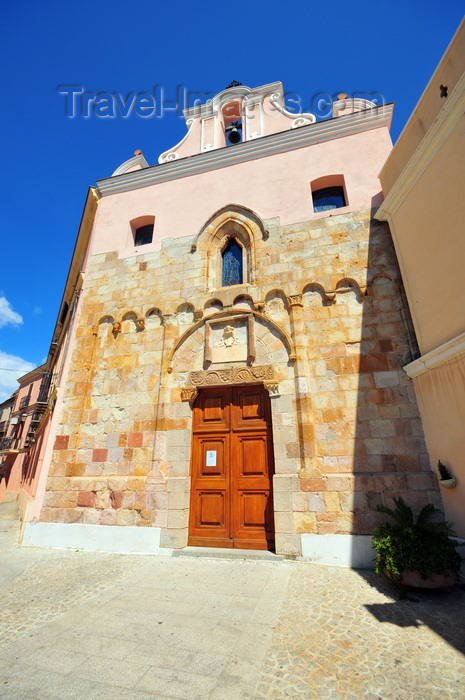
x,y
345,422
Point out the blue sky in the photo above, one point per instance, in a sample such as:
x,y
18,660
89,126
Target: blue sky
x,y
50,159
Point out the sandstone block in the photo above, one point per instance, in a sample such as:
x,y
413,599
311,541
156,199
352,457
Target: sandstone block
x,y
135,483
125,517
299,502
91,516
174,539
102,500
344,523
331,499
304,522
288,544
421,482
315,502
326,528
340,483
178,518
283,522
383,428
386,379
117,483
282,500
313,484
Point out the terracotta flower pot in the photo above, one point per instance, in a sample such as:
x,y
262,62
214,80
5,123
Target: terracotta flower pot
x,y
414,578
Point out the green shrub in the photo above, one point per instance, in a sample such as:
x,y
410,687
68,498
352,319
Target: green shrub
x,y
422,545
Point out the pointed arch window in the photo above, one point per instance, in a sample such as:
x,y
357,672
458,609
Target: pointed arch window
x,y
232,264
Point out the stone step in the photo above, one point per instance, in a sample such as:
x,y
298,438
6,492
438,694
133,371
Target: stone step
x,y
9,497
9,511
9,534
219,553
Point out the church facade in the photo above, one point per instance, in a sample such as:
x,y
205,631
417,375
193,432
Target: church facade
x,y
233,373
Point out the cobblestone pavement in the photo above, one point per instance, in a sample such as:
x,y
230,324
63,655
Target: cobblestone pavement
x,y
86,625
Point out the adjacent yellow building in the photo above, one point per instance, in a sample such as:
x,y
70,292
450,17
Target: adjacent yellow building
x,y
424,186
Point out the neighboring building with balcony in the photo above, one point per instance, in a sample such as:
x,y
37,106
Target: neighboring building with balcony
x,y
28,417
5,412
21,431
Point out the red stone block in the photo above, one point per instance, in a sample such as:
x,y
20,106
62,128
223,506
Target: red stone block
x,y
86,499
408,463
61,442
374,363
403,427
135,440
385,345
116,498
99,455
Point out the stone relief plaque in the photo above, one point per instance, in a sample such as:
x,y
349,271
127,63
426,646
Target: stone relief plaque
x,y
230,339
229,343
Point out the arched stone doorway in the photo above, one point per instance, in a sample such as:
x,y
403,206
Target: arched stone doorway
x,y
262,367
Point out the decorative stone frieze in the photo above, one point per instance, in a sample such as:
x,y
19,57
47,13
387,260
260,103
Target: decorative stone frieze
x,y
232,375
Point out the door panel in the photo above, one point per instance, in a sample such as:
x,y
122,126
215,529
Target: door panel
x,y
251,455
251,484
231,498
211,508
250,408
209,515
211,411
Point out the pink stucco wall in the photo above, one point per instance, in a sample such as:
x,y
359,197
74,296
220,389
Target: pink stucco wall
x,y
182,206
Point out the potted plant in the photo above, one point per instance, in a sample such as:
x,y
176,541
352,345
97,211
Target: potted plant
x,y
417,552
445,477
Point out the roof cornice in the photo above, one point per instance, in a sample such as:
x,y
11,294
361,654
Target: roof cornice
x,y
429,146
281,142
439,356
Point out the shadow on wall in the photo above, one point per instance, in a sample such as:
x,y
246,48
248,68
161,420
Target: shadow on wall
x,y
390,457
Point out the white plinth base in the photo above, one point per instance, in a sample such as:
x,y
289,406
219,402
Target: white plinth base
x,y
95,538
350,551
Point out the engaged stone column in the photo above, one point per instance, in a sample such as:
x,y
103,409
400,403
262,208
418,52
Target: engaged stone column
x,y
302,375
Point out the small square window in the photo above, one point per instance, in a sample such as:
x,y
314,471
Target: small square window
x,y
328,198
143,235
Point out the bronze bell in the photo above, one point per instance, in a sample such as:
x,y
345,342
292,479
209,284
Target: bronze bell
x,y
234,133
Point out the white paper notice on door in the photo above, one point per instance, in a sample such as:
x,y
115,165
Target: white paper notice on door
x,y
211,458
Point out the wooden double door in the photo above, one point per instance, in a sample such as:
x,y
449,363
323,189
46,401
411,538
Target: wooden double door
x,y
231,468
